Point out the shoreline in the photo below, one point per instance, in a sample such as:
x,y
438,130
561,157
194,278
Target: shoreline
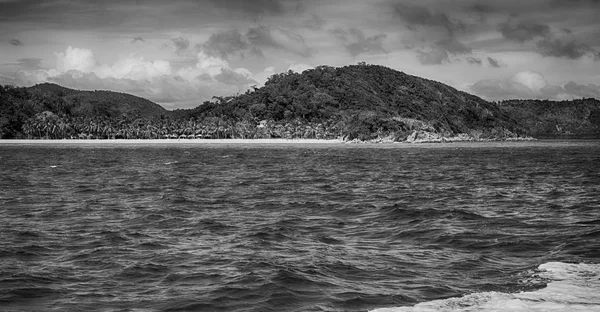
x,y
290,142
172,141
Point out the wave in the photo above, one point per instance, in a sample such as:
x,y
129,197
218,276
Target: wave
x,y
571,287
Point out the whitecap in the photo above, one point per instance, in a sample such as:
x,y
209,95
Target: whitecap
x,y
571,287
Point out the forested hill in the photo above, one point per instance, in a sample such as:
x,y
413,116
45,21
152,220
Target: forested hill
x,y
61,100
53,104
549,119
367,101
362,102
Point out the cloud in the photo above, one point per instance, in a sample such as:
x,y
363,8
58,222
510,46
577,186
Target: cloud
x,y
315,22
527,84
155,80
433,56
251,7
82,60
452,45
239,77
534,81
440,52
278,38
523,31
531,85
494,63
559,48
299,68
16,42
226,43
357,43
474,60
439,33
558,43
30,63
414,15
27,63
134,67
210,65
584,91
181,44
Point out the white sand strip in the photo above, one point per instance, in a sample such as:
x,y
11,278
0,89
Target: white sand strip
x,y
177,141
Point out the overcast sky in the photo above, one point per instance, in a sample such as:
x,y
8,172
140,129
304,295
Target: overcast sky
x,y
181,52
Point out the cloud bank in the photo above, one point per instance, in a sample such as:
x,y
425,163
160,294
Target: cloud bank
x,y
532,85
155,80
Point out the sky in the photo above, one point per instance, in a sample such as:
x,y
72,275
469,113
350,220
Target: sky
x,y
180,53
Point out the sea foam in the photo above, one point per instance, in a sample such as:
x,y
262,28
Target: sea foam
x,y
571,287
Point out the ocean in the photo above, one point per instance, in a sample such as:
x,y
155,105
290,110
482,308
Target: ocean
x,y
509,226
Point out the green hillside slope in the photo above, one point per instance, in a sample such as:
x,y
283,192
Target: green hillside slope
x,y
358,102
366,102
550,119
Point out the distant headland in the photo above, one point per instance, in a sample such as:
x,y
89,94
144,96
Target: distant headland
x,y
356,103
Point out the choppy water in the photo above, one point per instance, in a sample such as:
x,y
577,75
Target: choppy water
x,y
493,227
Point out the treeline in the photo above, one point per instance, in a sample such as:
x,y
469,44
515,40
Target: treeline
x,y
49,112
554,119
367,102
364,102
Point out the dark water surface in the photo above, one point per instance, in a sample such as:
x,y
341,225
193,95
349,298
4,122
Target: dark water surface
x,y
294,228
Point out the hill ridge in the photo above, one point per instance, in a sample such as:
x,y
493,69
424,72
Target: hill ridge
x,y
355,102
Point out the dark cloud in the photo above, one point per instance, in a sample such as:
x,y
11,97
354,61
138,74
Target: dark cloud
x,y
141,15
315,22
261,36
452,45
278,38
441,33
181,44
414,15
356,42
559,48
589,91
482,8
253,7
340,34
136,39
504,89
494,63
230,77
474,60
440,52
558,43
524,31
30,63
433,56
16,42
532,85
253,41
362,44
223,44
63,14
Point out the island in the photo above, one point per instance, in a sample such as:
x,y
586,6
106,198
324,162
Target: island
x,y
355,103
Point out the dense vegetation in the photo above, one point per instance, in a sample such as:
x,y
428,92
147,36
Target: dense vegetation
x,y
51,111
364,102
549,119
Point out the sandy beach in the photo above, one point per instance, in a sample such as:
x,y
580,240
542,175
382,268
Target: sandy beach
x,y
298,142
176,141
